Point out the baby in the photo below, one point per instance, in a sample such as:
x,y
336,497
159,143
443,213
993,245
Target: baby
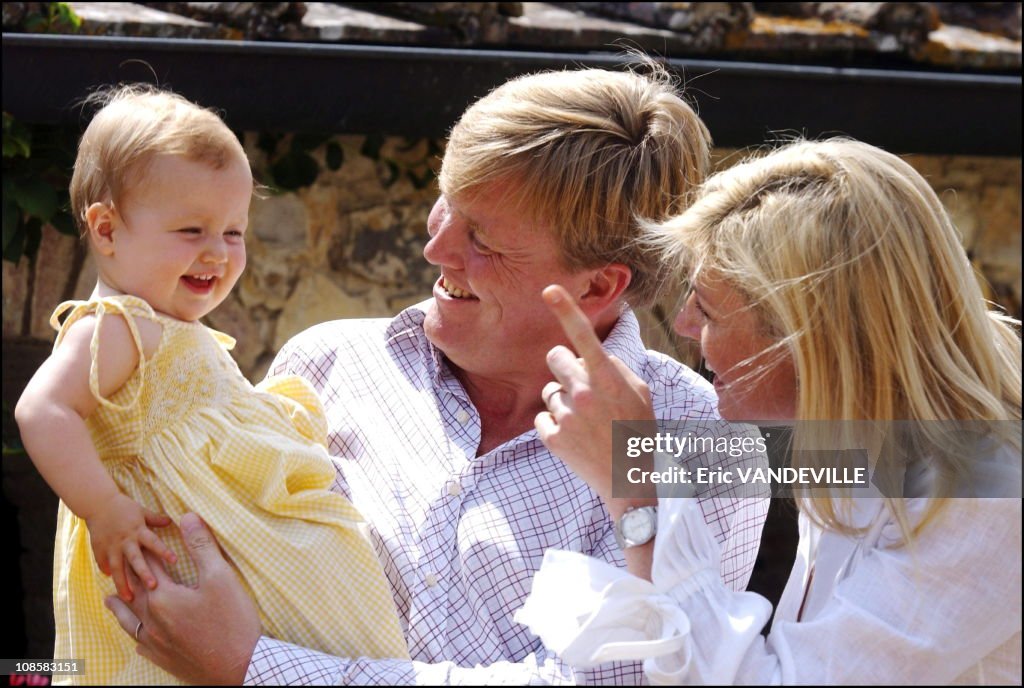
x,y
140,414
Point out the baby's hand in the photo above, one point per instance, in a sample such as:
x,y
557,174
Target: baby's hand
x,y
118,532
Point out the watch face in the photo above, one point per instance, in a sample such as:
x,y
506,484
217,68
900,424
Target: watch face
x,y
637,525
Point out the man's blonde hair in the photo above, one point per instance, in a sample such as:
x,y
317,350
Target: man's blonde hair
x,y
848,258
135,123
588,153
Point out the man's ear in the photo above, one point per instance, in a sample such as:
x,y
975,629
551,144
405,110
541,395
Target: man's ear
x,y
605,287
101,220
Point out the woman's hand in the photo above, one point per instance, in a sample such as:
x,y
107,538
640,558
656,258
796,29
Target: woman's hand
x,y
119,531
203,635
589,393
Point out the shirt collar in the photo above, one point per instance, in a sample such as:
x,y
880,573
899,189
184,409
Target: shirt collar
x,y
624,341
408,326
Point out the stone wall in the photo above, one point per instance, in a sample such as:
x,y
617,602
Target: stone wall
x,y
983,196
349,246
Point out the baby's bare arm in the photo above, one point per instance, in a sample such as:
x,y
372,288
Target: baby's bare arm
x,y
51,418
52,411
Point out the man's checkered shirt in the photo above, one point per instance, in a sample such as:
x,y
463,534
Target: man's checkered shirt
x,y
460,536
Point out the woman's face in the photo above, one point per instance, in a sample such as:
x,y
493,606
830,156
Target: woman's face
x,y
752,380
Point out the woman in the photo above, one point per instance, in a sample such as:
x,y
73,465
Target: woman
x,y
828,284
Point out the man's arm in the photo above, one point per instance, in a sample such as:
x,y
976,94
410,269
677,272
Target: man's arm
x,y
277,663
210,635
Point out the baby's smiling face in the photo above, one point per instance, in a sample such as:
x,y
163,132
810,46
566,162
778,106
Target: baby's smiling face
x,y
177,237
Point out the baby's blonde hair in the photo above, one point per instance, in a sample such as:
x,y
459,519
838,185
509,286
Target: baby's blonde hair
x,y
136,123
588,152
849,259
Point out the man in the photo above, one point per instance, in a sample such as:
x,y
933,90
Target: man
x,y
431,414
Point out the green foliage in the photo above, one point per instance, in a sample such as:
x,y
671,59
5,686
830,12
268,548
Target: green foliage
x,y
56,17
37,164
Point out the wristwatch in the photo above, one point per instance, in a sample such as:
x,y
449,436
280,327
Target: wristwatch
x,y
636,526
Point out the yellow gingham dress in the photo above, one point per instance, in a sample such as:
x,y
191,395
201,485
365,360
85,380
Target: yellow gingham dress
x,y
187,432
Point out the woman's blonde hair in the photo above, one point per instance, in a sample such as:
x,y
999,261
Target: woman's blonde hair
x,y
589,151
848,257
135,123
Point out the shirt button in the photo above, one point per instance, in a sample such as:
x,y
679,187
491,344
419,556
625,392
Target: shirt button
x,y
462,416
431,579
454,489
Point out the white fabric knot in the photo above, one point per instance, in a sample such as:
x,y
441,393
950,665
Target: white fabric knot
x,y
590,612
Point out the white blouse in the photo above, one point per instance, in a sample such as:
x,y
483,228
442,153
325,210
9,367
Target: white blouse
x,y
946,609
